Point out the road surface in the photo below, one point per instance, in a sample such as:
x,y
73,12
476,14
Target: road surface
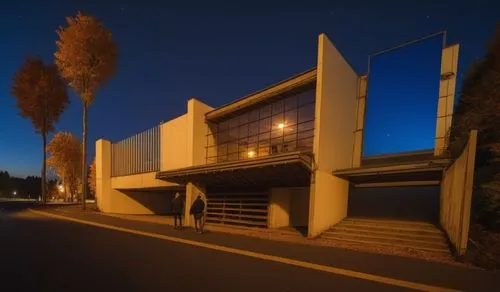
x,y
39,253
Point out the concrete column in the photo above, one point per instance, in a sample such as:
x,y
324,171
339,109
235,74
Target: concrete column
x,y
279,208
103,174
192,192
360,121
197,130
337,89
449,66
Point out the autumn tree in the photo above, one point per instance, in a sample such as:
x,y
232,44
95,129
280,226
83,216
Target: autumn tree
x,y
479,108
41,97
65,152
86,58
479,102
92,177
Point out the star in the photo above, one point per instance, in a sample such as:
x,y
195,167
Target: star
x,y
427,17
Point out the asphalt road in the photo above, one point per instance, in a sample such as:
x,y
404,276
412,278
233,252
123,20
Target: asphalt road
x,y
43,254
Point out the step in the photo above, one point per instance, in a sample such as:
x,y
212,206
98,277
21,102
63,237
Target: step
x,y
434,232
399,233
387,240
388,244
422,229
440,242
403,223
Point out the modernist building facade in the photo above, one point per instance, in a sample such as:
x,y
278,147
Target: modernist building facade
x,y
288,155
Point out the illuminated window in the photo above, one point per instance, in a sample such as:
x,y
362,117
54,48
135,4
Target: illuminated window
x,y
284,125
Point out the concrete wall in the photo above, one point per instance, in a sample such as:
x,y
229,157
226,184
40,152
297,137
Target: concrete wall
x,y
335,122
197,130
360,121
111,200
456,196
449,65
139,181
103,174
174,148
279,208
299,206
192,192
138,202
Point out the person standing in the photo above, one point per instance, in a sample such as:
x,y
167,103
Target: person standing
x,y
197,211
177,209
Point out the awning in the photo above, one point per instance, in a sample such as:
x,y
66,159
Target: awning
x,y
414,173
283,170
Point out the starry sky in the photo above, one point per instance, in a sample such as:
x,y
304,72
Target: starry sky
x,y
214,51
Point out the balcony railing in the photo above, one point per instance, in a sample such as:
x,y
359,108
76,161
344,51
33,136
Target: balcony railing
x,y
136,154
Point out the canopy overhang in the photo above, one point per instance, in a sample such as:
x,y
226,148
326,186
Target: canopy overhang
x,y
417,173
283,170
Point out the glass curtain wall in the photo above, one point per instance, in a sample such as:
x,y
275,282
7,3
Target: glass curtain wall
x,y
283,125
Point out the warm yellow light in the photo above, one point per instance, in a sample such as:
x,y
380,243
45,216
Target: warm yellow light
x,y
61,188
251,153
281,125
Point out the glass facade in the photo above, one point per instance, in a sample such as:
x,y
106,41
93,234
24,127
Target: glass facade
x,y
283,125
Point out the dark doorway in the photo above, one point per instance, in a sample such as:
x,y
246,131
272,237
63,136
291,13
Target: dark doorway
x,y
419,203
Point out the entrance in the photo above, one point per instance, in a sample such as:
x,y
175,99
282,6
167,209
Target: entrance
x,y
419,203
245,209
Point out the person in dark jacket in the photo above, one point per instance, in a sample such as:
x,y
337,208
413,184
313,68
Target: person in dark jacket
x,y
177,209
197,211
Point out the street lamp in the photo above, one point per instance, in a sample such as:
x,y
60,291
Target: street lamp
x,y
14,193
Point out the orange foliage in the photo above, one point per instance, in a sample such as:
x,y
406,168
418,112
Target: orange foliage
x,y
92,177
86,55
65,159
41,94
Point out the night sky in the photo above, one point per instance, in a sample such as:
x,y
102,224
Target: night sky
x,y
214,51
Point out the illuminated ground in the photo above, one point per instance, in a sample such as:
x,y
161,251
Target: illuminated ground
x,y
43,254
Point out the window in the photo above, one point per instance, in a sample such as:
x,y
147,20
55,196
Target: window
x,y
306,113
286,124
253,128
291,102
243,131
233,122
265,125
291,117
265,111
278,107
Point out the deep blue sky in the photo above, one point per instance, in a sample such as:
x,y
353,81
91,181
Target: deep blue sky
x,y
403,90
215,51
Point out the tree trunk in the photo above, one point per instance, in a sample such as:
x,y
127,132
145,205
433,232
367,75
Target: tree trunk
x,y
44,167
84,156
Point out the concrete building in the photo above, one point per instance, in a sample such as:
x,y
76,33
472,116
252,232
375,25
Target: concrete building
x,y
289,155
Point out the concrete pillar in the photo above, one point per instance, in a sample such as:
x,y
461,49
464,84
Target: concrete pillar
x,y
192,192
337,89
449,66
103,174
360,121
197,130
279,208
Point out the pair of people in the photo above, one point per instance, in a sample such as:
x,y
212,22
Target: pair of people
x,y
196,210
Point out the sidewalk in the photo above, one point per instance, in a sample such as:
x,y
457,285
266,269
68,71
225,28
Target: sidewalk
x,y
292,235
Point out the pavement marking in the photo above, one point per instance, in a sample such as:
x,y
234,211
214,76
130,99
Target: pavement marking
x,y
288,261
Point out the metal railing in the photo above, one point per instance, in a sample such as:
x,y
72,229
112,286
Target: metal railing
x,y
136,154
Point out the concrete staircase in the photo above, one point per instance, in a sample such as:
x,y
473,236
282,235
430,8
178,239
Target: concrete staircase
x,y
390,233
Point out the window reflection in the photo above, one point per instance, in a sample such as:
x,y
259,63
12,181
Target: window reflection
x,y
284,125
